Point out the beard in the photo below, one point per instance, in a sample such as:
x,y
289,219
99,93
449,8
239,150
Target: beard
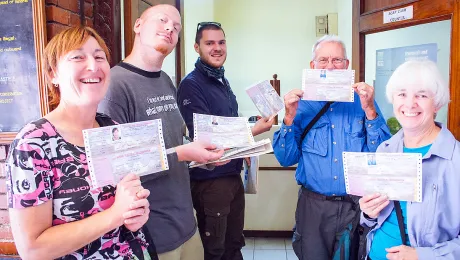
x,y
213,63
158,45
161,48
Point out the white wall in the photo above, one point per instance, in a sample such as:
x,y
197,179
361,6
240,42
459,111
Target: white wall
x,y
273,207
195,11
345,13
265,37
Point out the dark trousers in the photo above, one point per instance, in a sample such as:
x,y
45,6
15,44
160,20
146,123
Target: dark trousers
x,y
321,223
219,205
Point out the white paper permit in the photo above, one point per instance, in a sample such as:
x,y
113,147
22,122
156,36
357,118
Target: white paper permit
x,y
258,148
328,85
224,132
267,101
115,151
398,175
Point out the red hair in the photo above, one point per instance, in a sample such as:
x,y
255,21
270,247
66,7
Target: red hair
x,y
63,42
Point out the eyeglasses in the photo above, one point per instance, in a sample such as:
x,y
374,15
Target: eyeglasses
x,y
335,61
198,27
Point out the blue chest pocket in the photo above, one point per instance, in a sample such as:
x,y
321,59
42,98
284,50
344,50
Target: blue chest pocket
x,y
317,139
356,135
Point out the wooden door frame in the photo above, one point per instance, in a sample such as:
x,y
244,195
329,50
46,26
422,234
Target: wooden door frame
x,y
425,11
129,36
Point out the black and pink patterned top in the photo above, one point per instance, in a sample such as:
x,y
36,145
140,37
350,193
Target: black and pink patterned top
x,y
42,166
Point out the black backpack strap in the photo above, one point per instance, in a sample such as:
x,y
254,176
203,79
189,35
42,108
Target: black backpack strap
x,y
104,120
315,119
127,235
151,248
400,221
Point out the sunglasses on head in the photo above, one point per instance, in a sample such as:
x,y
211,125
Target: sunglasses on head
x,y
198,27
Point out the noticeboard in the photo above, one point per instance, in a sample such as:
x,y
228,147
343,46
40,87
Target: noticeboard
x,y
22,90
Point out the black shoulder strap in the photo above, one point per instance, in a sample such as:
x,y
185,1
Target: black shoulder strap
x,y
104,120
151,248
400,221
315,119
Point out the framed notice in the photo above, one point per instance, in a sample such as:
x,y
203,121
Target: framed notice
x,y
23,95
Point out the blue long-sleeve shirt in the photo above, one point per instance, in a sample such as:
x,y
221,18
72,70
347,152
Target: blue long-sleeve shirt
x,y
343,127
433,226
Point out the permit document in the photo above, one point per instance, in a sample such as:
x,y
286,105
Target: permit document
x,y
267,101
224,132
115,151
397,175
328,85
257,148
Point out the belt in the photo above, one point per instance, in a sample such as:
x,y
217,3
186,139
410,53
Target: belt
x,y
344,198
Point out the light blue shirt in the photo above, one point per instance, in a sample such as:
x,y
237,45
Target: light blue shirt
x,y
343,127
389,235
433,226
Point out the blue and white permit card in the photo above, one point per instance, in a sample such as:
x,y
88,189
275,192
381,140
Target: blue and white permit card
x,y
328,85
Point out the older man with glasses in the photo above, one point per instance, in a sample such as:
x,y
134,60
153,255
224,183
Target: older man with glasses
x,y
218,195
326,217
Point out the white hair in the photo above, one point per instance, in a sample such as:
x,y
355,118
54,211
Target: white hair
x,y
328,38
419,75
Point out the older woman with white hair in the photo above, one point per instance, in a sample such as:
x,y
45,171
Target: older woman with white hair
x,y
430,229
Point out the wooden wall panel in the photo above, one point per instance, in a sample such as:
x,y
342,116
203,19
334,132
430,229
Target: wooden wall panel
x,y
370,6
424,12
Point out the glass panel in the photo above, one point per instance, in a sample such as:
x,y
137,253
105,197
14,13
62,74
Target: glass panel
x,y
385,51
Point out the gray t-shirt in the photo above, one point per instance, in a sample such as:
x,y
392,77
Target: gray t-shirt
x,y
137,95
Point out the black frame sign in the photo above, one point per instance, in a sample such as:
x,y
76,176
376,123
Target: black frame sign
x,y
23,95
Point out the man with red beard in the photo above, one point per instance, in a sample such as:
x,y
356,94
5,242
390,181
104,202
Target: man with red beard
x,y
218,195
140,91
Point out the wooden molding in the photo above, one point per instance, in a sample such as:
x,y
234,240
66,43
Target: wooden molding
x,y
277,168
40,36
128,27
454,106
179,49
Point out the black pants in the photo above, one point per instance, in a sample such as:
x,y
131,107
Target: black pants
x,y
219,205
320,224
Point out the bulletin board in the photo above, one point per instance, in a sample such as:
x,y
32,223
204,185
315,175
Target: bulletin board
x,y
23,95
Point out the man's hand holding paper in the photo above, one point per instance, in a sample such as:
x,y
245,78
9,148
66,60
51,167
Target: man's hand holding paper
x,y
291,103
366,96
231,133
199,151
265,98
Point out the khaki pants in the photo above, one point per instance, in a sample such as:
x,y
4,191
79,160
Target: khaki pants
x,y
192,249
